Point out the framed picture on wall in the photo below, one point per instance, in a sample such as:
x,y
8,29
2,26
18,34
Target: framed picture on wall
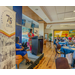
x,y
23,22
25,32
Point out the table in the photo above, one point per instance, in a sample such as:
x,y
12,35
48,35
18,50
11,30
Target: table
x,y
62,43
69,43
67,49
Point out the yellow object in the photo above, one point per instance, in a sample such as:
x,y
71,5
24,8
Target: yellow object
x,y
5,33
61,33
39,63
19,59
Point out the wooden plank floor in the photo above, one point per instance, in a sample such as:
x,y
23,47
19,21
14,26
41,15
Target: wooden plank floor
x,y
49,57
48,61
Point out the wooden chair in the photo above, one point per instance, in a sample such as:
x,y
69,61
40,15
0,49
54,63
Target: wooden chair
x,y
57,50
73,64
19,59
45,41
62,63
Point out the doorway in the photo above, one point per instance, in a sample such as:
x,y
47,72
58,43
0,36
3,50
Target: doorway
x,y
46,36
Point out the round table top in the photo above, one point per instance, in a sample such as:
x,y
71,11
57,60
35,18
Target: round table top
x,y
67,49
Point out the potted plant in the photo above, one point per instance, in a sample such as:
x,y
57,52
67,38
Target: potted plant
x,y
50,37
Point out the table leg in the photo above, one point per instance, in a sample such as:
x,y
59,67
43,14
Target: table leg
x,y
64,54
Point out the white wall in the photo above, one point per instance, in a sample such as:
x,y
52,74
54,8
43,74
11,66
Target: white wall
x,y
36,31
11,7
29,20
63,27
41,29
48,31
58,27
28,25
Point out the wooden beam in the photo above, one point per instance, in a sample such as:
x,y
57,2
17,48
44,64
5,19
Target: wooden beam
x,y
45,12
45,24
31,14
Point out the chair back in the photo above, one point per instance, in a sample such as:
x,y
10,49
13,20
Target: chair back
x,y
62,63
58,46
70,43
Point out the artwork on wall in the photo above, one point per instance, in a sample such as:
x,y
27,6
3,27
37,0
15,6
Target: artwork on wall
x,y
36,31
64,33
61,33
23,22
71,33
25,34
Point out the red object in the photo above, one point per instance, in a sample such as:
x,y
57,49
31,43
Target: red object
x,y
32,34
69,38
65,34
30,44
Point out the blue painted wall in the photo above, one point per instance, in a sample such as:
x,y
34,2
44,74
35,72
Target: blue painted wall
x,y
19,32
18,10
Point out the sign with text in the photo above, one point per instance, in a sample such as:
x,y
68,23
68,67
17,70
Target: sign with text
x,y
7,38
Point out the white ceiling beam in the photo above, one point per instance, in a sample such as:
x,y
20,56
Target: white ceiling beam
x,y
61,22
50,13
40,13
45,13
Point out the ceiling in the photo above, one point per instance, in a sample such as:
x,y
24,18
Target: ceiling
x,y
31,14
55,14
29,20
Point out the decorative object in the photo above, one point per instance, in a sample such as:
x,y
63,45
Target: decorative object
x,y
50,37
